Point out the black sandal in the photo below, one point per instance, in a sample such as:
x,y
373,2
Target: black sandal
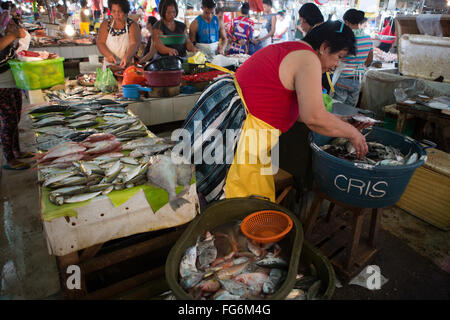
x,y
18,166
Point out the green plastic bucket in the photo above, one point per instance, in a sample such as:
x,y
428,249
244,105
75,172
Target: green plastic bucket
x,y
224,211
35,75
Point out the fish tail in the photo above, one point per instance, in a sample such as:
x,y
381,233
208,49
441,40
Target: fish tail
x,y
177,203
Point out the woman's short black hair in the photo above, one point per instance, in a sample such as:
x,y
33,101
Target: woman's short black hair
x,y
162,8
354,16
245,8
311,13
268,2
151,20
335,34
123,4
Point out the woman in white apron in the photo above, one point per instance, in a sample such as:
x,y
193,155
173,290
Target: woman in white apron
x,y
119,37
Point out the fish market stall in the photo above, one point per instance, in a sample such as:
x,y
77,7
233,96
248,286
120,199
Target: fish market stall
x,y
104,176
53,40
70,51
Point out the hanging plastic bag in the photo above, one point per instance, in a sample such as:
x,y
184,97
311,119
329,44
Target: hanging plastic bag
x,y
133,75
105,81
109,82
98,80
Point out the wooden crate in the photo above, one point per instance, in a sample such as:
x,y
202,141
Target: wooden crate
x,y
428,193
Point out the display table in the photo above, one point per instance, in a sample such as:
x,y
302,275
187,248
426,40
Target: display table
x,y
76,234
70,52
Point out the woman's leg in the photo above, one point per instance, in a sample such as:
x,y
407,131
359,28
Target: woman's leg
x,y
17,104
8,120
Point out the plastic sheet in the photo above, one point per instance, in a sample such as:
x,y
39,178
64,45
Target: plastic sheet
x,y
429,24
378,89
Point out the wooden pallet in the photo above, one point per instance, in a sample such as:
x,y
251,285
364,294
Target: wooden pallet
x,y
333,239
94,260
339,235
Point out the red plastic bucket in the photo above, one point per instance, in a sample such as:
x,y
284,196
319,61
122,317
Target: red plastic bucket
x,y
163,78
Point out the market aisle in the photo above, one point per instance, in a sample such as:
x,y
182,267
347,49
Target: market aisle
x,y
27,270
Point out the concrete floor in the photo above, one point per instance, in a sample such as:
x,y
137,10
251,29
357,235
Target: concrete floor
x,y
414,255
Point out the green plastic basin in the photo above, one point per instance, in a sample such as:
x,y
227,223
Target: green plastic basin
x,y
37,74
173,39
224,211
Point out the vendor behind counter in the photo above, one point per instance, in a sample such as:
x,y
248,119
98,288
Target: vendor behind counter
x,y
168,10
206,31
119,37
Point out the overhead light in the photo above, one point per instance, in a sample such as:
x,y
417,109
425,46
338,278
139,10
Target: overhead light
x,y
69,30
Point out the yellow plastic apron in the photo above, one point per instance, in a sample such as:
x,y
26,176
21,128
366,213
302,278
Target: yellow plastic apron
x,y
251,170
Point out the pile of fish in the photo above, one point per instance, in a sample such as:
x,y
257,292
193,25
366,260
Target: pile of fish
x,y
75,93
308,285
59,123
378,155
81,162
226,265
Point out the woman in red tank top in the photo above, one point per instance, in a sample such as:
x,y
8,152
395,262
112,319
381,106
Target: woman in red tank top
x,y
280,84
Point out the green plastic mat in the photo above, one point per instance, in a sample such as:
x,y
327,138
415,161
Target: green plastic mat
x,y
156,198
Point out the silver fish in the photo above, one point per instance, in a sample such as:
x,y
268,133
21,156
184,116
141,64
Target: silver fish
x,y
236,288
114,169
191,280
163,173
206,252
81,113
107,157
58,177
119,129
225,295
135,172
83,124
66,191
296,294
132,134
272,262
99,187
86,117
149,150
187,265
129,160
272,283
108,190
48,122
141,142
82,197
56,199
70,181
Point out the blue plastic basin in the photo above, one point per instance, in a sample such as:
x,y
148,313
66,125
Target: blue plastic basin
x,y
131,91
365,186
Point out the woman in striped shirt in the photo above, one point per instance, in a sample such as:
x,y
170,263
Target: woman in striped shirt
x,y
352,68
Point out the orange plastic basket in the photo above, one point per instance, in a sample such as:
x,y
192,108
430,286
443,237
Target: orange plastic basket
x,y
266,226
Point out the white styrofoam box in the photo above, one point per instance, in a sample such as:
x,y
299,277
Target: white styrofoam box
x,y
423,56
